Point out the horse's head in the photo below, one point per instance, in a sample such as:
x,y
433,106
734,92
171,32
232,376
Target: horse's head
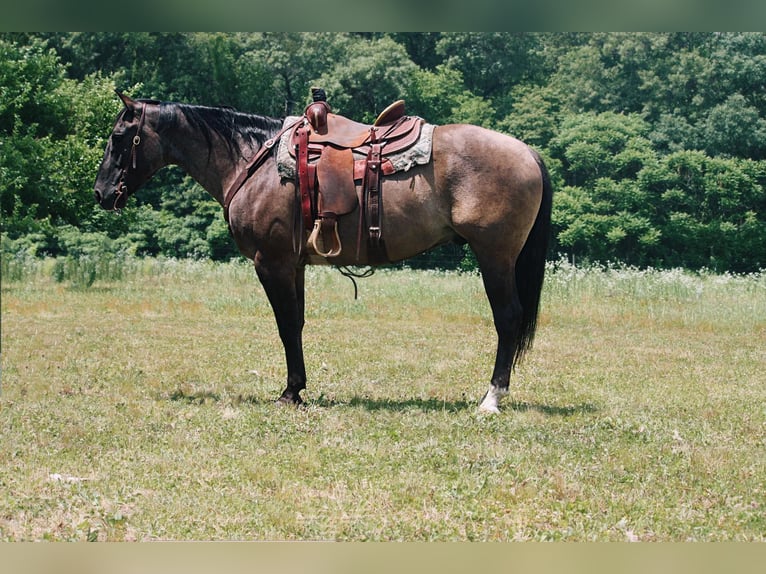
x,y
132,155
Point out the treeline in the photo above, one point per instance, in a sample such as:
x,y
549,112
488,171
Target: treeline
x,y
656,142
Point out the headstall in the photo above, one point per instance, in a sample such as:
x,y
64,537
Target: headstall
x,y
122,188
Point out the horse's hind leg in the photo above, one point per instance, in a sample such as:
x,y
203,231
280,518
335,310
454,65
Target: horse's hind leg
x,y
500,285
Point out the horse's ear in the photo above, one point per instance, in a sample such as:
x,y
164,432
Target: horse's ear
x,y
129,103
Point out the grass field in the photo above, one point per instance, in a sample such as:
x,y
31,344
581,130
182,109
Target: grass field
x,y
142,408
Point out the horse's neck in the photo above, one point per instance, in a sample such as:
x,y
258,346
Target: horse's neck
x,y
213,167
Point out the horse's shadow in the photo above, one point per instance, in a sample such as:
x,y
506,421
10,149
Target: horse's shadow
x,y
553,410
436,405
198,397
390,405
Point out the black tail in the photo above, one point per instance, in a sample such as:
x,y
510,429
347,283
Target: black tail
x,y
530,265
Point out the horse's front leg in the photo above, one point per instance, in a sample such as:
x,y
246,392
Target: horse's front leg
x,y
284,285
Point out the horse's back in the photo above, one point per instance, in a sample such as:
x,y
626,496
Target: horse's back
x,y
462,146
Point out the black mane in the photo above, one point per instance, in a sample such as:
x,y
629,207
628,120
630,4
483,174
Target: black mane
x,y
233,127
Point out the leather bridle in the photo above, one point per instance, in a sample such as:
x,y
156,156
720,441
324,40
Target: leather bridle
x,y
122,187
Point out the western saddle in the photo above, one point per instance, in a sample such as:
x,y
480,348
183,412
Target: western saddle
x,y
339,164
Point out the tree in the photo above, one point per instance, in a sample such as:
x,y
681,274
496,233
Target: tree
x,y
535,115
491,64
296,61
602,212
421,47
656,142
53,131
440,97
734,128
369,76
592,145
710,210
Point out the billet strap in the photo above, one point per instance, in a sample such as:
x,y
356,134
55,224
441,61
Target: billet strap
x,y
254,163
306,176
372,184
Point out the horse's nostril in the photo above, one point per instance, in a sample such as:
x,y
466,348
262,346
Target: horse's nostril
x,y
97,193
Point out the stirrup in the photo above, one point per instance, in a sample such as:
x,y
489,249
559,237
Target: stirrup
x,y
335,250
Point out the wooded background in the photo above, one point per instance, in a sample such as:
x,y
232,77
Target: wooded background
x,y
656,142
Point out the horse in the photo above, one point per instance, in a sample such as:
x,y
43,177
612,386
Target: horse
x,y
480,187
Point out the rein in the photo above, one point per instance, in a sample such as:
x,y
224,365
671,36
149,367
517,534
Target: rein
x,y
122,188
353,275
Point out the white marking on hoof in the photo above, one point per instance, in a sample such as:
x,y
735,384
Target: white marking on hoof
x,y
492,399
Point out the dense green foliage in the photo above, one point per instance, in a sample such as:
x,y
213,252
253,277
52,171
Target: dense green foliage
x,y
656,142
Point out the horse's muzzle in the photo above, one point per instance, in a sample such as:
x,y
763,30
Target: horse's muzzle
x,y
111,201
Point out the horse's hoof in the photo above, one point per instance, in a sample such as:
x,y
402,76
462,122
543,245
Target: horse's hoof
x,y
291,401
489,409
491,401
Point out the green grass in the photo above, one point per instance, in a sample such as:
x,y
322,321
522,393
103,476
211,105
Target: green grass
x,y
142,409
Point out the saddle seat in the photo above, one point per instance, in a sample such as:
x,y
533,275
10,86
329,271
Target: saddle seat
x,y
341,131
340,163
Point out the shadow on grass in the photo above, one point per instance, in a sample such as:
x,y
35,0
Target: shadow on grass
x,y
436,405
203,397
206,397
425,405
194,397
552,410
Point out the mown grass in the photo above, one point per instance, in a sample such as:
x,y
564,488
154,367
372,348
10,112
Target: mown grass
x,y
142,409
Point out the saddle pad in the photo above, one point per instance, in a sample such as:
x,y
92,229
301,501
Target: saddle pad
x,y
419,154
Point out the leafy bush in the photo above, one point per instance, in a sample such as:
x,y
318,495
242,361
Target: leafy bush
x,y
654,141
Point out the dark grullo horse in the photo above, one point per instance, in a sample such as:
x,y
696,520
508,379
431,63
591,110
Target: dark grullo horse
x,y
480,187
